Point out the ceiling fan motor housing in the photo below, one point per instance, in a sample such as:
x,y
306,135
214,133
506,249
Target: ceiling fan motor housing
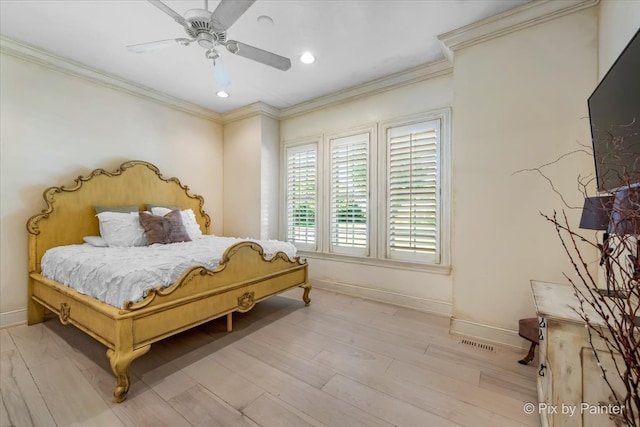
x,y
203,27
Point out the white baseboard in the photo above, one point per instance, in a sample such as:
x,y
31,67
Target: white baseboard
x,y
422,304
13,318
488,334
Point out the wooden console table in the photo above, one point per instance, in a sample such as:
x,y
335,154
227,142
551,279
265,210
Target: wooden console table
x,y
571,391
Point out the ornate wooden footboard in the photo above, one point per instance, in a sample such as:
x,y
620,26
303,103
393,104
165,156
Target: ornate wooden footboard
x,y
243,277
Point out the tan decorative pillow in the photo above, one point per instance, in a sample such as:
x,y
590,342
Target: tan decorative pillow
x,y
164,229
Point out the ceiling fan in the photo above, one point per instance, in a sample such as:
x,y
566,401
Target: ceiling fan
x,y
209,30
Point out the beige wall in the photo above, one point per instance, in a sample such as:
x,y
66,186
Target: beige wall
x,y
242,164
54,127
251,161
269,178
619,21
520,101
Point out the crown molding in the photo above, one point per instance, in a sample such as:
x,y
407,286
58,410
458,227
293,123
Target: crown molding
x,y
393,81
527,15
255,109
29,53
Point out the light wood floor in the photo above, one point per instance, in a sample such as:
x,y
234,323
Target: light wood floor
x,y
342,361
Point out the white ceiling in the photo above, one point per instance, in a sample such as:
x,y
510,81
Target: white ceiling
x,y
355,41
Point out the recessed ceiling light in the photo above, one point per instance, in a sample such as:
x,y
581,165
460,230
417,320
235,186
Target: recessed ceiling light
x,y
265,20
308,58
222,94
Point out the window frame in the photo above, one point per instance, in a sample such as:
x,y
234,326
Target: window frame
x,y
443,187
377,223
298,145
370,134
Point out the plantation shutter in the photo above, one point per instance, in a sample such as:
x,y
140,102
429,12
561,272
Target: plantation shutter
x,y
350,194
412,172
301,192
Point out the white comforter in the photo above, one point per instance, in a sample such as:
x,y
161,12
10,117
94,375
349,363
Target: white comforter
x,y
117,275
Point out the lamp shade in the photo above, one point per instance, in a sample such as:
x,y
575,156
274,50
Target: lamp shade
x,y
625,212
596,213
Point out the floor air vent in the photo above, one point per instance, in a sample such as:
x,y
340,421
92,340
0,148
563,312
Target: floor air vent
x,y
477,345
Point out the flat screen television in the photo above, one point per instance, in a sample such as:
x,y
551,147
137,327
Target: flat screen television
x,y
614,113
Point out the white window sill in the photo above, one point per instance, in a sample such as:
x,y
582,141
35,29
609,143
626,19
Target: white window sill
x,y
375,262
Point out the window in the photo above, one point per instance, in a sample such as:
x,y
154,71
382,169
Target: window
x,y
301,190
412,191
382,199
349,194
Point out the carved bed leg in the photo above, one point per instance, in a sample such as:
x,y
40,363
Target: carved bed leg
x,y
305,296
120,362
229,322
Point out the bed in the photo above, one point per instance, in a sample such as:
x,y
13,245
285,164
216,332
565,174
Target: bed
x,y
244,275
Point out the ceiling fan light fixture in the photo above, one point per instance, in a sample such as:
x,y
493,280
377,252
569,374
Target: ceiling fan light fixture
x,y
212,54
307,58
222,94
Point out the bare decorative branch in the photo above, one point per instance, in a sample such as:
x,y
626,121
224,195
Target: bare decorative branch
x,y
617,303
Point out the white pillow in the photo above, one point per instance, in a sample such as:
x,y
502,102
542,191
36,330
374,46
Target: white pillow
x,y
188,220
121,229
96,241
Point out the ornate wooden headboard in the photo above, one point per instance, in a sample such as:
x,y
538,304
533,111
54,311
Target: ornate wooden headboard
x,y
70,212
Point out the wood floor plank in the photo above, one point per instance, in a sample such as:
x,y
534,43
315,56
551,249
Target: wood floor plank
x,y
70,397
6,343
295,340
321,406
345,333
407,332
168,380
382,405
430,320
498,403
343,357
21,398
409,329
201,408
4,414
148,409
500,359
509,385
430,400
361,335
84,351
311,373
373,306
36,345
273,412
227,384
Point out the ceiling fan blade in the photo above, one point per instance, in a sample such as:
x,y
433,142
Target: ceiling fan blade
x,y
157,45
228,12
172,13
259,55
